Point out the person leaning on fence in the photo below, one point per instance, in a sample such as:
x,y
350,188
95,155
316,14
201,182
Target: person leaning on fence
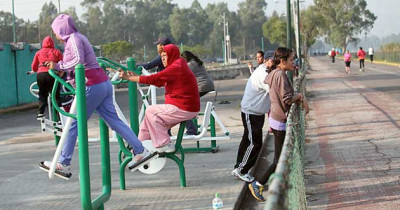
x,y
99,91
182,101
282,95
260,61
255,103
43,78
156,62
204,82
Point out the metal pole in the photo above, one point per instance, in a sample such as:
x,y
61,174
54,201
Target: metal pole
x,y
14,36
262,43
228,43
288,33
144,53
224,40
299,35
59,7
133,104
84,175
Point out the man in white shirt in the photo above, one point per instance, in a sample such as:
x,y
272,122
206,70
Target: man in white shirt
x,y
371,54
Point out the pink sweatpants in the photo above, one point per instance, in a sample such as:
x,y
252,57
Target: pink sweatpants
x,y
158,119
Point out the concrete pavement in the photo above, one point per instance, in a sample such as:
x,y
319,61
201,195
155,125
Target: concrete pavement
x,y
24,186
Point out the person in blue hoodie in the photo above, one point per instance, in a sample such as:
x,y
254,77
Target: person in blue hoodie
x,y
156,62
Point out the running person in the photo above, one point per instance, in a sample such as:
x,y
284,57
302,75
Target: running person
x,y
347,61
371,54
361,57
333,55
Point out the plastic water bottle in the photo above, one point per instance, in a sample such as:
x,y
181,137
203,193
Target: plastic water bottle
x,y
217,202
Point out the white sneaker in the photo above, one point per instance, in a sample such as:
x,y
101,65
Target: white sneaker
x,y
60,167
245,177
170,147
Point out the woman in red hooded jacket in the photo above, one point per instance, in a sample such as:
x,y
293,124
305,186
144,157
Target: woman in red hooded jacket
x,y
182,100
43,78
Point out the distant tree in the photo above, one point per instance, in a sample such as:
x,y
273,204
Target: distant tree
x,y
252,16
147,20
46,17
94,25
6,27
311,22
71,11
200,50
216,36
343,20
199,24
113,13
179,25
274,29
118,50
390,47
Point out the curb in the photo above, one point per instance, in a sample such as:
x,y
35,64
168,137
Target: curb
x,y
245,199
19,108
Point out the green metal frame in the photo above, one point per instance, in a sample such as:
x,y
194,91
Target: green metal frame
x,y
213,147
81,117
125,156
84,175
55,108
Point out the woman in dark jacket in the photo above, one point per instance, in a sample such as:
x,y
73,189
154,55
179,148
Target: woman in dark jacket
x,y
204,82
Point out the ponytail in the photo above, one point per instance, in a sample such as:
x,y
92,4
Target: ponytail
x,y
281,53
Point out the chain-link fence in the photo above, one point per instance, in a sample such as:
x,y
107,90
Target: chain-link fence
x,y
390,57
286,186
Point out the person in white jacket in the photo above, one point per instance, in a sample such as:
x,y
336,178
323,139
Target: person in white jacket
x,y
255,104
371,54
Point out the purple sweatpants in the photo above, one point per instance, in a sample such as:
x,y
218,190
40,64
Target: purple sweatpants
x,y
99,97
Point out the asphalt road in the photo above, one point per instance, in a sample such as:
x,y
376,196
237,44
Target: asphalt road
x,y
353,132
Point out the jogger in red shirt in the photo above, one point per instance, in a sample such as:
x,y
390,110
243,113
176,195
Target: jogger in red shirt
x,y
361,56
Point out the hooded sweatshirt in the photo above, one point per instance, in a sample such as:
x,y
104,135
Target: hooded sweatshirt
x,y
280,93
255,99
47,53
180,83
78,50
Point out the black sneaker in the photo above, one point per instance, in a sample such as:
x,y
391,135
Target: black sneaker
x,y
256,191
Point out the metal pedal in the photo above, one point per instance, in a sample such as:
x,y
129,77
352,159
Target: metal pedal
x,y
58,173
143,162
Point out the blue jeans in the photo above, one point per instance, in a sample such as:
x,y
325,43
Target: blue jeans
x,y
99,97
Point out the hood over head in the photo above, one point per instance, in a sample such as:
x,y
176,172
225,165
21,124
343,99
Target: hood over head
x,y
63,26
47,42
172,53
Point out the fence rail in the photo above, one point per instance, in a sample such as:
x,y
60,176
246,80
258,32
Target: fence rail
x,y
286,186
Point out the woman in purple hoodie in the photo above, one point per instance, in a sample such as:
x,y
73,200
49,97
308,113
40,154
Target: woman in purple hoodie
x,y
99,92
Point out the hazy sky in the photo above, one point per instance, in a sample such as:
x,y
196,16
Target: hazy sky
x,y
386,10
